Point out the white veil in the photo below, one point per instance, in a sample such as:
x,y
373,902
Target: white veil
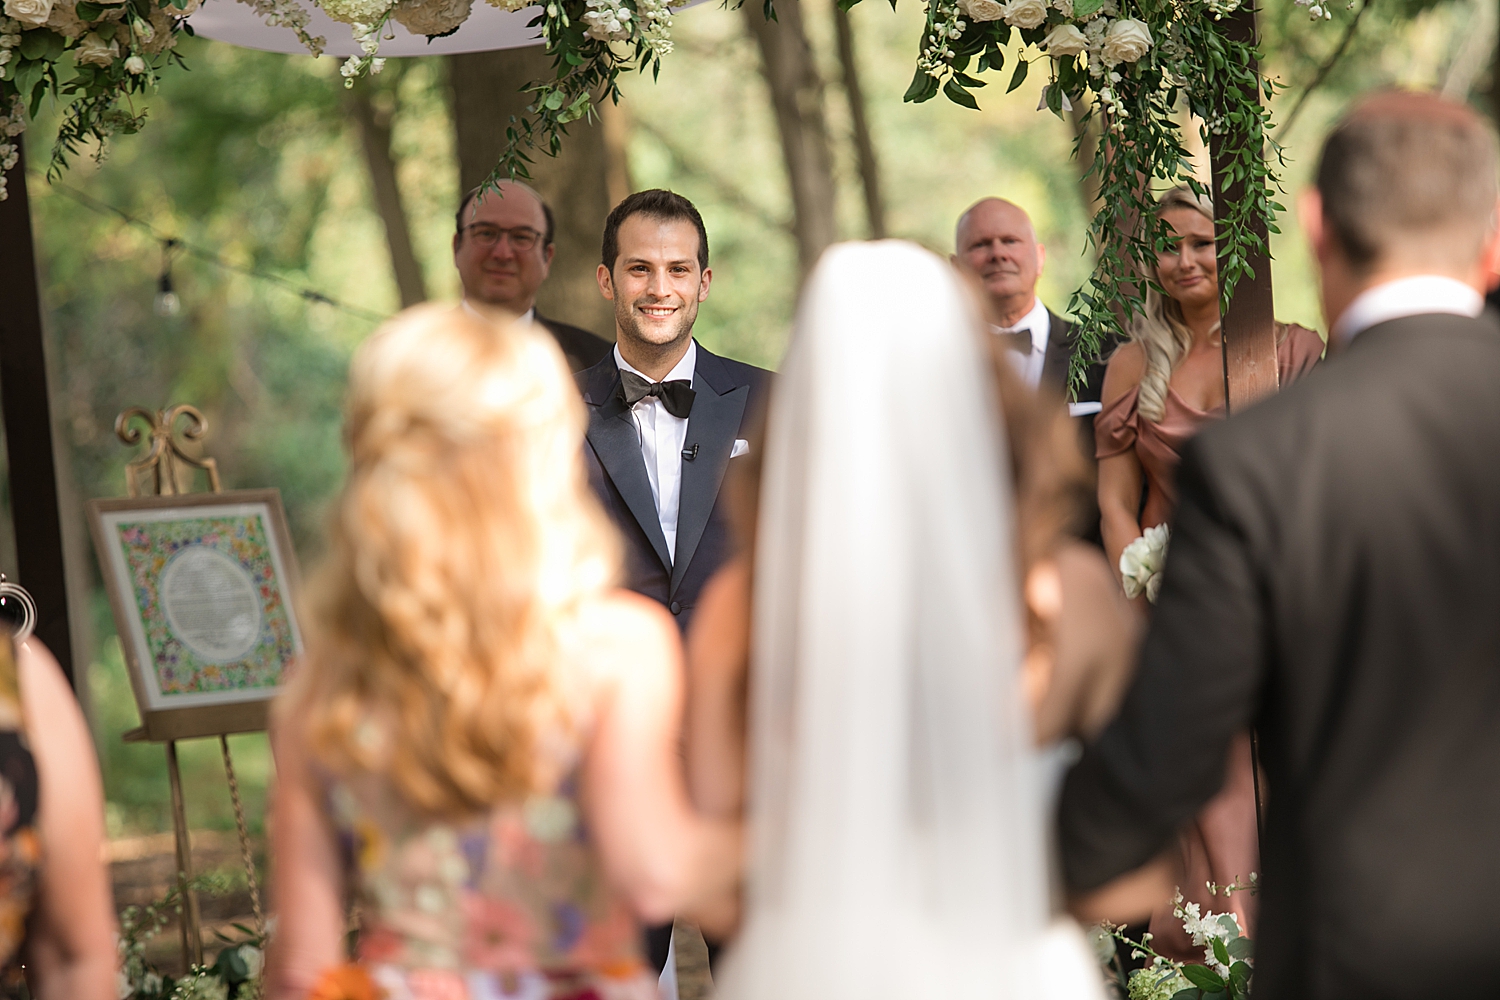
x,y
897,830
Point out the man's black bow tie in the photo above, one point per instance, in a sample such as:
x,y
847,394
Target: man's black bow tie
x,y
1016,340
676,395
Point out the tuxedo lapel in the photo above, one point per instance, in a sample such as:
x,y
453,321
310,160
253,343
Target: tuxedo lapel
x,y
712,426
613,437
1059,352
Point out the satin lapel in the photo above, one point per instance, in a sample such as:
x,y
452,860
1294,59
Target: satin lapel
x,y
714,422
1059,352
613,437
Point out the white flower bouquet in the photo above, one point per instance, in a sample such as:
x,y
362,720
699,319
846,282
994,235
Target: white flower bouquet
x,y
1142,561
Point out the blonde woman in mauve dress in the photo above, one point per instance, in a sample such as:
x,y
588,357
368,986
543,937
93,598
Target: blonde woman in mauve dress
x,y
1160,388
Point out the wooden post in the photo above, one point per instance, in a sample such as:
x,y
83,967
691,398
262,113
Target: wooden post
x,y
27,411
188,922
1249,330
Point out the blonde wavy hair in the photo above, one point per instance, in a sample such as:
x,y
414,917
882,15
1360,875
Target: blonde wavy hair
x,y
1164,336
463,544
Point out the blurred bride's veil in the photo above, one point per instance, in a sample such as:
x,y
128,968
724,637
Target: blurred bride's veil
x,y
896,820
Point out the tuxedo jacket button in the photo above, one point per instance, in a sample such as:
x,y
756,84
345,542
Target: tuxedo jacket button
x,y
676,608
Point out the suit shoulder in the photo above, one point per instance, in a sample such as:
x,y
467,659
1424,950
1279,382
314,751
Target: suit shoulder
x,y
740,372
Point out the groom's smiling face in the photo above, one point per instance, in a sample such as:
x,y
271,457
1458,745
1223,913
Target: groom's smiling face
x,y
656,283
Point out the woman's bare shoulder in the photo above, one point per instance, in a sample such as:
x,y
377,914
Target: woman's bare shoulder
x,y
1126,366
620,627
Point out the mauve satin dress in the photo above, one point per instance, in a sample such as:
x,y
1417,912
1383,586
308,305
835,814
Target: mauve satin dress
x,y
1220,845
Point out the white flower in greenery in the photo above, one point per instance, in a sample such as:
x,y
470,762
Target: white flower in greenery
x,y
135,65
1025,13
1126,41
1063,7
123,987
95,51
1142,561
607,20
511,5
254,959
982,10
1065,40
1157,983
32,13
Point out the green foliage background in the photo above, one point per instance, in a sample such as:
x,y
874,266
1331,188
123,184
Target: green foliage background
x,y
252,155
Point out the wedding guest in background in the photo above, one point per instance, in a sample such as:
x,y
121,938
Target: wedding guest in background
x,y
1333,571
484,733
57,924
1161,388
503,250
666,416
997,248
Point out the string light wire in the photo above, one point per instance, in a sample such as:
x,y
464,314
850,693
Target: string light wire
x,y
173,244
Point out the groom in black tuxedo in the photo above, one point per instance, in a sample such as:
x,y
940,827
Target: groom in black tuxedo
x,y
1334,581
666,416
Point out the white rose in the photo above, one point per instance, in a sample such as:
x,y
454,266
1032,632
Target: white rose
x,y
254,959
96,51
1065,40
1064,7
135,65
982,10
432,17
1126,41
1025,13
32,13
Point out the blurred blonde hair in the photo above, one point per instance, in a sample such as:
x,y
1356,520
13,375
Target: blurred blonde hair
x,y
464,541
1162,333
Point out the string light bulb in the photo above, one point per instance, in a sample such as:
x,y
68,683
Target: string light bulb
x,y
167,302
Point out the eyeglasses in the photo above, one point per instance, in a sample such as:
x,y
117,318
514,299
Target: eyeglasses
x,y
522,238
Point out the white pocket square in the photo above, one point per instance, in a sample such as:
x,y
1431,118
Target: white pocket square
x,y
741,447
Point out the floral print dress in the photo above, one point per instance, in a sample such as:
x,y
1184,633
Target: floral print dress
x,y
20,846
513,905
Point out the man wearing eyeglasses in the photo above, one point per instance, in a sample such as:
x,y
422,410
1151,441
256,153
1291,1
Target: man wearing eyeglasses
x,y
503,251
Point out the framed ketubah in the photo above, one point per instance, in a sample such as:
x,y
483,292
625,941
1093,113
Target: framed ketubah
x,y
202,587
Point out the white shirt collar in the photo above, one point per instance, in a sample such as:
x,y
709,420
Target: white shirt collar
x,y
528,316
1415,296
1038,322
682,370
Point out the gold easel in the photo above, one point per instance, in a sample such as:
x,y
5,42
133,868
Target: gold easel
x,y
160,464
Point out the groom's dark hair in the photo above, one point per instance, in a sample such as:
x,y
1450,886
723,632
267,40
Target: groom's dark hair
x,y
666,206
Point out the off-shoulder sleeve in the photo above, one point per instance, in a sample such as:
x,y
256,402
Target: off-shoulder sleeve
x,y
1115,426
1297,350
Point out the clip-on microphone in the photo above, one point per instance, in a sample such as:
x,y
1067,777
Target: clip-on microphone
x,y
688,454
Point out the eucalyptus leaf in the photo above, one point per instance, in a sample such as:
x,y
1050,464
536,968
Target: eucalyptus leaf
x,y
1242,947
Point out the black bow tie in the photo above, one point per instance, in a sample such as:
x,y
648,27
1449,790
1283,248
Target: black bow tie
x,y
1016,340
676,395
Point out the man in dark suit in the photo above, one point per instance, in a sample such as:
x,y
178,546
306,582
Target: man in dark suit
x,y
1333,581
996,248
666,416
503,250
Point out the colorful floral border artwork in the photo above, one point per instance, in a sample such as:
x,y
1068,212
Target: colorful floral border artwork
x,y
213,621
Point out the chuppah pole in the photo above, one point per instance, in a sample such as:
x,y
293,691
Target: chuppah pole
x,y
1248,333
27,410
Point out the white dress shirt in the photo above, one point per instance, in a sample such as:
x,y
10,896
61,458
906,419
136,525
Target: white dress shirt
x,y
1414,296
1039,323
469,307
662,438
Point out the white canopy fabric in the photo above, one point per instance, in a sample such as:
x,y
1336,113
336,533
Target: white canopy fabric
x,y
488,28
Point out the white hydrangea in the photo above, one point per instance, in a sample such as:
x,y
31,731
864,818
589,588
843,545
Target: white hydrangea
x,y
432,17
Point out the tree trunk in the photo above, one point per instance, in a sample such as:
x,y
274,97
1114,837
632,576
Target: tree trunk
x,y
375,136
864,144
486,92
791,73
